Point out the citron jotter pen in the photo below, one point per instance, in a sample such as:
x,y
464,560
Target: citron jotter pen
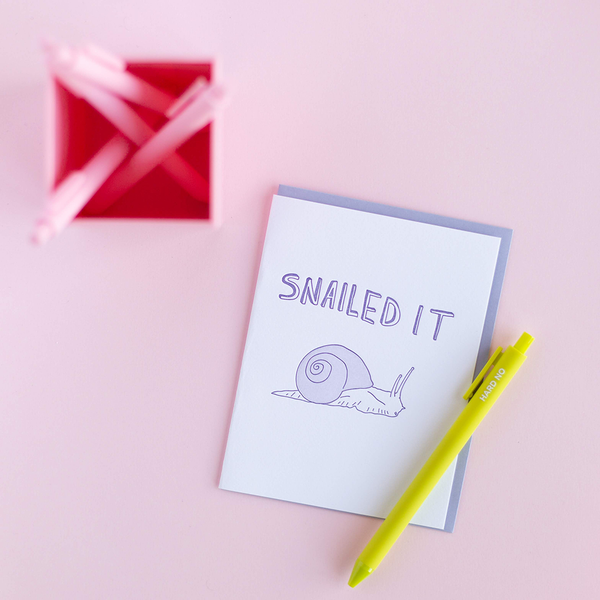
x,y
483,393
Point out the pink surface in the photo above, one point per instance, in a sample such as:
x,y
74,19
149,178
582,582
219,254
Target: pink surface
x,y
121,340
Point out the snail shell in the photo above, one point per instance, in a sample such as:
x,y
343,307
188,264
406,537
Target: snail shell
x,y
325,372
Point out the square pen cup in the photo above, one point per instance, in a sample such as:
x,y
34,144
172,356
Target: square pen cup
x,y
76,131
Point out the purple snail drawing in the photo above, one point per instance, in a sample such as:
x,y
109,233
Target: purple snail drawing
x,y
336,376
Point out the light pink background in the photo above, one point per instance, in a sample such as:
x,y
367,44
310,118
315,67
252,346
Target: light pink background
x,y
121,341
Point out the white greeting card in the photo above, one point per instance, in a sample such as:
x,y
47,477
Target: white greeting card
x,y
367,325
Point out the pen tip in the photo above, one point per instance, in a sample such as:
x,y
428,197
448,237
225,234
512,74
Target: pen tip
x,y
524,342
359,573
43,232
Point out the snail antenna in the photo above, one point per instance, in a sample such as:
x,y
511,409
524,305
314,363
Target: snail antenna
x,y
398,392
393,390
404,381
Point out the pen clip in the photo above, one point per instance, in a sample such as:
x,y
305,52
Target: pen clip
x,y
480,377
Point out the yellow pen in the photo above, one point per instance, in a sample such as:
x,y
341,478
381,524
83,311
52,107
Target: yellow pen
x,y
482,395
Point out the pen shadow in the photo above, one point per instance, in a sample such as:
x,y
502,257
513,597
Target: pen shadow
x,y
22,140
265,210
354,541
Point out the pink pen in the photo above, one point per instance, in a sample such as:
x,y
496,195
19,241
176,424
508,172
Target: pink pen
x,y
192,117
124,118
190,93
102,69
76,190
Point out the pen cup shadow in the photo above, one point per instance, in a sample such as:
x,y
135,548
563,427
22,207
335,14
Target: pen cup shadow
x,y
22,139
